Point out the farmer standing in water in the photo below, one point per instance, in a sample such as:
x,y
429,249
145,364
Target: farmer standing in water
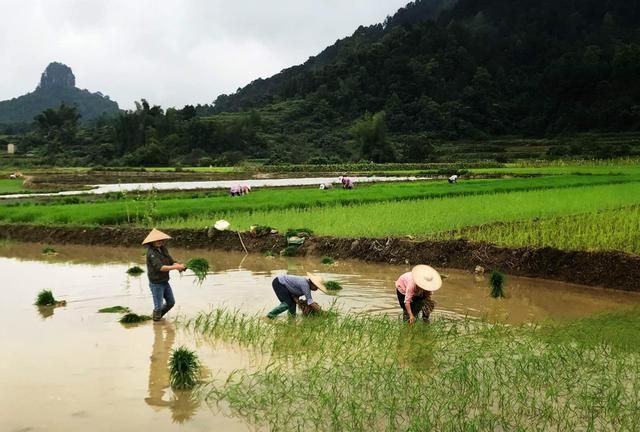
x,y
159,264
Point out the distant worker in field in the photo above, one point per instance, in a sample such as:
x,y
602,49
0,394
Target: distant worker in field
x,y
245,189
159,264
347,183
290,288
414,290
453,179
235,190
324,186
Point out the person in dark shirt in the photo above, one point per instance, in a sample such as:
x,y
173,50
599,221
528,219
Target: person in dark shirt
x,y
159,264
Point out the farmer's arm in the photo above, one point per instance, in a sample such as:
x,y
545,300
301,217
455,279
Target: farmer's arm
x,y
174,266
306,289
407,302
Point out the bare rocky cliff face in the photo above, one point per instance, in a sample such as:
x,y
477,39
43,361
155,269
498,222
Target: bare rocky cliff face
x,y
56,76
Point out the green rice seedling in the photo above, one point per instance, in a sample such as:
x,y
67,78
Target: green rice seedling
x,y
200,267
496,283
184,369
132,318
290,251
114,309
333,285
327,260
49,250
135,271
45,298
269,253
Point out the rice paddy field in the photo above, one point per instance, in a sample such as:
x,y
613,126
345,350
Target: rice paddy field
x,y
566,206
357,366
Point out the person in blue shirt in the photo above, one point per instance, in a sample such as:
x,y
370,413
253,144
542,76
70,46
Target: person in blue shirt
x,y
290,288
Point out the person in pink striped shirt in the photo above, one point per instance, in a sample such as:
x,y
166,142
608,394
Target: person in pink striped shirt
x,y
414,290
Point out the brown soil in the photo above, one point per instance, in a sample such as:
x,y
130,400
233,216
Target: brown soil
x,y
605,269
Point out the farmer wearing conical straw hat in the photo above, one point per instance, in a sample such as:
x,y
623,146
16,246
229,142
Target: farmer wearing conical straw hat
x,y
159,264
414,290
290,288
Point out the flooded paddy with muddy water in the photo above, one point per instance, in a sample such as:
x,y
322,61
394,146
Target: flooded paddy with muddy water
x,y
71,368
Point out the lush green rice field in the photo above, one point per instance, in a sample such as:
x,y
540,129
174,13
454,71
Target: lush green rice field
x,y
8,186
193,209
362,373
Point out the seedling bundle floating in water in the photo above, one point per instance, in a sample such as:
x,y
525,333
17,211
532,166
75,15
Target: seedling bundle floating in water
x,y
184,369
496,281
114,309
200,267
132,318
333,285
46,298
135,271
327,260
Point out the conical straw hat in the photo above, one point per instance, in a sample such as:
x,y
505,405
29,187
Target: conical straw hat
x,y
426,277
317,281
155,235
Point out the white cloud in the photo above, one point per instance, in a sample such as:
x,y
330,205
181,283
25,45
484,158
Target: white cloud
x,y
170,52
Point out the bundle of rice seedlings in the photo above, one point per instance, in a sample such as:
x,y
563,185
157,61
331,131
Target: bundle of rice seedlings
x,y
132,318
45,298
114,309
200,267
327,260
496,282
135,270
49,250
333,285
184,369
269,253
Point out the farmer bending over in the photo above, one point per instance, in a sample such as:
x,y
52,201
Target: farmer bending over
x,y
159,264
289,288
414,290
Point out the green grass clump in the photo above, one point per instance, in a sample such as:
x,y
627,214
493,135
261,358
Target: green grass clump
x,y
114,309
333,285
268,253
199,266
132,318
45,298
327,260
135,271
184,369
496,282
48,250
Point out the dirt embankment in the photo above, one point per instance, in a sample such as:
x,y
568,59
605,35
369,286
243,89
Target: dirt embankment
x,y
606,269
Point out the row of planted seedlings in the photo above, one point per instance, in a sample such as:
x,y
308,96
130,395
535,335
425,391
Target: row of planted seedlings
x,y
364,372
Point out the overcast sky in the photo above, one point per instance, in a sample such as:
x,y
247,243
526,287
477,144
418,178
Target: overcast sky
x,y
170,52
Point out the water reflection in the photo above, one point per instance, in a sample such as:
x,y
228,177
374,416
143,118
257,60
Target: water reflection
x,y
45,311
183,404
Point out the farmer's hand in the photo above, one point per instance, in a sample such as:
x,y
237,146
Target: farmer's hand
x,y
315,307
180,267
412,319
